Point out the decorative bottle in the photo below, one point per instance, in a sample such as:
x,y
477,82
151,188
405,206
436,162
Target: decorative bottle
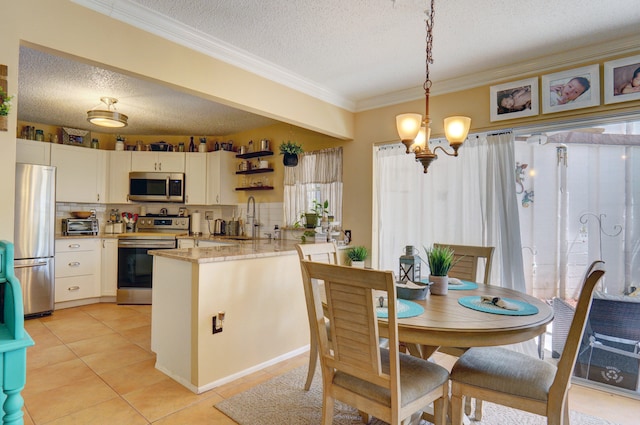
x,y
192,147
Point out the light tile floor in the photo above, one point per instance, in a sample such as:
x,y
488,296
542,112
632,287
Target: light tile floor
x,y
93,365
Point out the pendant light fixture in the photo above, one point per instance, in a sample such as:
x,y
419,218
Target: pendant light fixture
x,y
414,131
108,117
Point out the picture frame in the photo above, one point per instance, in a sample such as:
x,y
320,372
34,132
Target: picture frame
x,y
561,90
515,99
618,77
76,137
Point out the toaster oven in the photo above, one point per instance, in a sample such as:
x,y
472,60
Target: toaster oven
x,y
79,226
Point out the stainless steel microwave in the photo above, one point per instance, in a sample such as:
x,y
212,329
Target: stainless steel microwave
x,y
156,187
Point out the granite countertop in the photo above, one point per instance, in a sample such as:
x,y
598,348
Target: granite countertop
x,y
243,250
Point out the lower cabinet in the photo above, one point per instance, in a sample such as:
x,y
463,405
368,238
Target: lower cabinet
x,y
109,268
77,269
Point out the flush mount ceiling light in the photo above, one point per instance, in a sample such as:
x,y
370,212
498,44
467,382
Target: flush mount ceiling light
x,y
414,131
108,118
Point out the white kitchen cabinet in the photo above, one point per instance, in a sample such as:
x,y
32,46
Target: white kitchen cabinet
x,y
80,173
109,268
195,178
221,168
77,272
33,152
172,162
119,166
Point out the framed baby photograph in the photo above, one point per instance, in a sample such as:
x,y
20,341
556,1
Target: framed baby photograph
x,y
515,99
622,80
571,89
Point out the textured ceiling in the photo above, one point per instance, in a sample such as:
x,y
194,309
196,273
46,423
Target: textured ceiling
x,y
353,53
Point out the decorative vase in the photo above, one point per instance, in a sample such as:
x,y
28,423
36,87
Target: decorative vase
x,y
439,285
357,264
290,160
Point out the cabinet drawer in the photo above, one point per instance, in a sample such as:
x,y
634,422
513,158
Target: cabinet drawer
x,y
75,288
76,263
74,245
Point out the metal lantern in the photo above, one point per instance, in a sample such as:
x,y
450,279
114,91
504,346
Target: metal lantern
x,y
410,265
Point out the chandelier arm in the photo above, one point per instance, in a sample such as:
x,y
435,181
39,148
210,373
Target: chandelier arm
x,y
454,153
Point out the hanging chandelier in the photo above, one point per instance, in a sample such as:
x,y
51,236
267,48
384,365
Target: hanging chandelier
x,y
108,117
415,131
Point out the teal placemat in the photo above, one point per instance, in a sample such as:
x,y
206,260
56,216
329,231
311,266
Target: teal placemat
x,y
464,286
404,309
474,302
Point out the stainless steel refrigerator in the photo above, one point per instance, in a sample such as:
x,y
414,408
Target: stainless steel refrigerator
x,y
35,214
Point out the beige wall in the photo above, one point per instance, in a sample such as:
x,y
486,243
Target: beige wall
x,y
55,24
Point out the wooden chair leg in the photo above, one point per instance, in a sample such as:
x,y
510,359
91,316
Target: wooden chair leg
x,y
313,360
478,412
467,406
327,411
456,409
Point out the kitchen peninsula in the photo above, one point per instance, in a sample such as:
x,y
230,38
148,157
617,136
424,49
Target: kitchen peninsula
x,y
255,285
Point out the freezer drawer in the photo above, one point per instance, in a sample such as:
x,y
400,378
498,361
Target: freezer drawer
x,y
36,279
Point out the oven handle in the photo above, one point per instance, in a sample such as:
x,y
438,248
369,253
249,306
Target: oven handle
x,y
147,244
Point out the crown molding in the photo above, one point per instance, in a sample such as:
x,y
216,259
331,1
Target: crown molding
x,y
168,28
173,30
593,53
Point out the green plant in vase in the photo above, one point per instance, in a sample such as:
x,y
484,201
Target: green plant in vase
x,y
440,260
357,255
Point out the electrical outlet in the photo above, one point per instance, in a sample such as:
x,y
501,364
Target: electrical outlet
x,y
216,322
208,215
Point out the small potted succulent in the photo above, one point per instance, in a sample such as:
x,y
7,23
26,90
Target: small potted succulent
x,y
440,259
290,150
357,255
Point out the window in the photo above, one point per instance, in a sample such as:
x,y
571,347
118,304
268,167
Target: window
x,y
318,177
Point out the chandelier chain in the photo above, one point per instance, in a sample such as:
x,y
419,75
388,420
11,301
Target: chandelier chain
x,y
429,45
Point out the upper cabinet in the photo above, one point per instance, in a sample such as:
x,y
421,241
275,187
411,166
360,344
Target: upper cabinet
x,y
195,178
80,173
157,161
118,172
220,178
33,152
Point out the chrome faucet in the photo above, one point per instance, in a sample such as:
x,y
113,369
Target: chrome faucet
x,y
251,200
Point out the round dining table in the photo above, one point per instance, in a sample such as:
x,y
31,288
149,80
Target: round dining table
x,y
447,323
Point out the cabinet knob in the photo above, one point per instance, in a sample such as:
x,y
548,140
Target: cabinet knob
x,y
74,264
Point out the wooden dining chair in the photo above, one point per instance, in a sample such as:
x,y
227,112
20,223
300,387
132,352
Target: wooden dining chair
x,y
466,259
323,253
517,380
381,382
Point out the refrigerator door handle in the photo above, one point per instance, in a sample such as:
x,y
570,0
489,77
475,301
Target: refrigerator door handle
x,y
23,266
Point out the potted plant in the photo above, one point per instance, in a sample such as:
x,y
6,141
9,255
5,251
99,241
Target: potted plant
x,y
318,212
357,255
5,103
290,150
440,259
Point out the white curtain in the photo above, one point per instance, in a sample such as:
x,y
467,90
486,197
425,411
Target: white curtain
x,y
469,200
318,176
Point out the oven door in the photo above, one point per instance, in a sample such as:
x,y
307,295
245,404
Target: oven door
x,y
135,269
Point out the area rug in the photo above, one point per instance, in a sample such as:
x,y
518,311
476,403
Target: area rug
x,y
283,400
